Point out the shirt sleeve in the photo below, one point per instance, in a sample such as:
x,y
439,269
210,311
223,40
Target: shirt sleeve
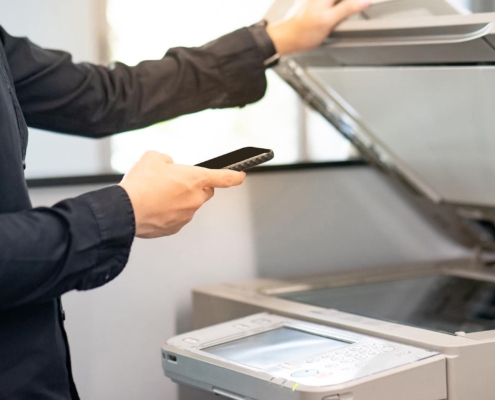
x,y
263,40
80,243
89,100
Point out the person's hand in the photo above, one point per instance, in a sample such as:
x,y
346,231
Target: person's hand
x,y
311,25
165,196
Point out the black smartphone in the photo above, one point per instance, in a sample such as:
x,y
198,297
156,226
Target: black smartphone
x,y
239,160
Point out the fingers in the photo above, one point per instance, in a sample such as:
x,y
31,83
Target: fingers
x,y
168,159
209,193
346,8
151,154
222,178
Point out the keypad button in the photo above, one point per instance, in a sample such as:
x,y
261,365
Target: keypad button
x,y
355,348
191,340
337,358
361,365
388,349
305,373
323,375
361,357
347,360
330,366
373,352
312,360
403,353
326,356
368,344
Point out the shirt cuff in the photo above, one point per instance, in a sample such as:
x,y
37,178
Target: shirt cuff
x,y
263,40
239,61
115,219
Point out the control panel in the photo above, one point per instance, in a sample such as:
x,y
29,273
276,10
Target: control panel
x,y
349,363
296,351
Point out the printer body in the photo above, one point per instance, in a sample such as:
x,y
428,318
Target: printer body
x,y
411,84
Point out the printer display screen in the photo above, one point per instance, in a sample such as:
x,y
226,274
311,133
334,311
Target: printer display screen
x,y
279,346
441,303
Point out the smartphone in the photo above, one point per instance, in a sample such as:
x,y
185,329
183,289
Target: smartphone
x,y
239,160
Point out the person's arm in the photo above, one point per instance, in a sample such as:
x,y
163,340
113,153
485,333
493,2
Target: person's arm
x,y
83,243
80,243
84,99
90,100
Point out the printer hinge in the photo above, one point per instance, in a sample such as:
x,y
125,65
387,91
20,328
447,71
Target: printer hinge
x,y
294,75
481,259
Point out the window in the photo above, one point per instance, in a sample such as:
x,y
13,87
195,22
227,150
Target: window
x,y
146,29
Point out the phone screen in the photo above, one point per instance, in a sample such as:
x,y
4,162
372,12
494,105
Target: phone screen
x,y
233,158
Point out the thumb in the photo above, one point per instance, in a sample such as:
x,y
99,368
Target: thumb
x,y
222,178
346,8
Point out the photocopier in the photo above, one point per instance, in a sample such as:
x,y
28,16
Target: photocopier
x,y
411,83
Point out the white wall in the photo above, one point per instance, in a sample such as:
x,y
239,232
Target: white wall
x,y
70,26
276,224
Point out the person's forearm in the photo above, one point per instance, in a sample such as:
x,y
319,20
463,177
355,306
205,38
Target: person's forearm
x,y
95,101
79,243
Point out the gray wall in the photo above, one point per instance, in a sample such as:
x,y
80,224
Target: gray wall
x,y
276,224
483,5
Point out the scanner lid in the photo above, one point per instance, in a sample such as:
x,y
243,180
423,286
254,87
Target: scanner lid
x,y
411,83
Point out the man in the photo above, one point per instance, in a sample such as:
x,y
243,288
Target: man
x,y
83,243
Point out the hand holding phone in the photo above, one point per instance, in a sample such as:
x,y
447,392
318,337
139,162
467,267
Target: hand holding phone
x,y
239,160
165,196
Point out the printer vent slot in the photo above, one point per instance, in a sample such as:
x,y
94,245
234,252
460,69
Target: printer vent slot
x,y
228,395
484,228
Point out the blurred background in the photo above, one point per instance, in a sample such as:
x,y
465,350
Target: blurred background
x,y
131,31
279,121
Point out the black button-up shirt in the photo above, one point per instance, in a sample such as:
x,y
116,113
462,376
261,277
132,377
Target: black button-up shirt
x,y
83,243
